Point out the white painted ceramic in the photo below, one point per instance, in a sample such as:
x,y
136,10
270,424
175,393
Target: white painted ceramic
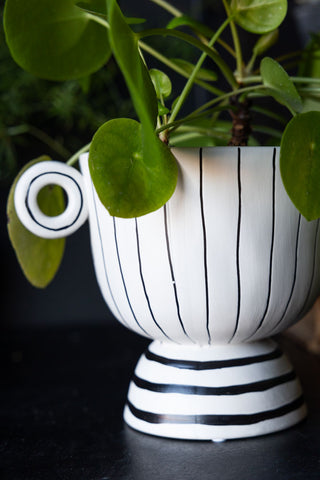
x,y
226,263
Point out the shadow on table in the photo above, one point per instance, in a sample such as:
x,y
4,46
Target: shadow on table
x,y
286,455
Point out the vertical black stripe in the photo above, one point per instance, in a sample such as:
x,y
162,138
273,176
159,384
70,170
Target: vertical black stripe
x,y
238,243
272,243
294,276
172,272
122,277
205,262
143,282
103,258
313,271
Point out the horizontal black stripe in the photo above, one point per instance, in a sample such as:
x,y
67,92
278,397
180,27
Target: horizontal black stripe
x,y
219,420
227,390
213,364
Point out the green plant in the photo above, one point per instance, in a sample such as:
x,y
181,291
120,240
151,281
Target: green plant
x,y
130,160
37,114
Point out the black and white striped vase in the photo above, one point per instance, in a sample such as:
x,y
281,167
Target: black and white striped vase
x,y
225,264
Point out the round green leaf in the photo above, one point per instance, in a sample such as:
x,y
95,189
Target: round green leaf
x,y
161,83
55,40
300,163
259,16
279,84
131,180
38,257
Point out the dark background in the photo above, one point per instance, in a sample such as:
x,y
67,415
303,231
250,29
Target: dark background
x,y
73,297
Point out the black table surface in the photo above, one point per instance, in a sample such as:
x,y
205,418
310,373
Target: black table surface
x,y
61,401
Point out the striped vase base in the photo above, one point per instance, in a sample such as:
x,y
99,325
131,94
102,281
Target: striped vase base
x,y
215,392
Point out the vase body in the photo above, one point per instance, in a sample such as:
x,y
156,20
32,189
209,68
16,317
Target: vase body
x,y
226,263
227,260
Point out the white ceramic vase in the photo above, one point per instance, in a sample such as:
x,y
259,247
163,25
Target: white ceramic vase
x,y
227,263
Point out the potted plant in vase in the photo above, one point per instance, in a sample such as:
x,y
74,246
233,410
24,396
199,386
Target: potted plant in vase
x,y
209,249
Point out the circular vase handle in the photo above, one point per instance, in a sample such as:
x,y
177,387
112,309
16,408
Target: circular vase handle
x,y
26,204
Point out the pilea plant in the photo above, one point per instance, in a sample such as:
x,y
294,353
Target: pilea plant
x,y
131,163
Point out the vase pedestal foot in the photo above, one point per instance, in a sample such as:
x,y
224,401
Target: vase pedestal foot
x,y
214,392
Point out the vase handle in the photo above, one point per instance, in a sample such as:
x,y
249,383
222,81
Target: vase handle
x,y
27,208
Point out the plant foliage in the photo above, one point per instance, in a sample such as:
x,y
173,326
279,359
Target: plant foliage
x,y
39,258
133,169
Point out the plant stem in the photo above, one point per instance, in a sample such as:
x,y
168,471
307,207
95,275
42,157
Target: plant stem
x,y
236,42
227,47
195,134
267,130
185,92
258,79
252,79
305,80
177,13
40,135
17,130
250,64
223,67
206,49
166,61
166,6
287,56
200,113
72,160
269,113
228,95
309,90
204,131
98,19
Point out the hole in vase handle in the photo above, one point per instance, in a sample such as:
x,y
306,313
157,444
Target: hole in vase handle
x,y
47,200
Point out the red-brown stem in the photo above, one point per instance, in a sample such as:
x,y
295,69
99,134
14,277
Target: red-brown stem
x,y
241,121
